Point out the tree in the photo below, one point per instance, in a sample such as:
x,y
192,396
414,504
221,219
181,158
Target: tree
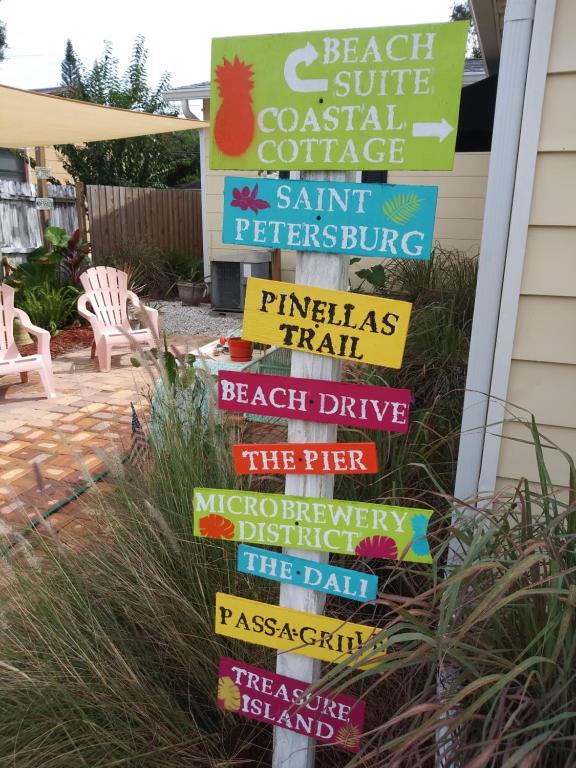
x,y
71,69
461,12
152,161
3,43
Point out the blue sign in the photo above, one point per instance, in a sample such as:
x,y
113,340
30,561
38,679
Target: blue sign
x,y
307,573
376,220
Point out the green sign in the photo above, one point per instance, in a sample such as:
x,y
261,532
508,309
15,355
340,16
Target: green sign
x,y
325,525
360,99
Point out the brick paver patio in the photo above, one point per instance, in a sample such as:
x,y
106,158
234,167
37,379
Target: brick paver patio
x,y
51,448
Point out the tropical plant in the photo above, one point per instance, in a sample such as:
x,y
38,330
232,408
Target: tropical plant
x,y
40,268
147,161
484,650
50,306
71,251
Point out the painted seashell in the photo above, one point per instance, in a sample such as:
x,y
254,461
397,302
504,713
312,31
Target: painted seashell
x,y
216,527
228,694
377,546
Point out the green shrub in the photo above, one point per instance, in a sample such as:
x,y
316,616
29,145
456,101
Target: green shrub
x,y
49,306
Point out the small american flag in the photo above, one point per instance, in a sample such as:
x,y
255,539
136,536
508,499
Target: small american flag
x,y
139,451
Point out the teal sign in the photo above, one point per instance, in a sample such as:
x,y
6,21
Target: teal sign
x,y
375,220
309,574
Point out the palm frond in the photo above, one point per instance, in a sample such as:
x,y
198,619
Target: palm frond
x,y
402,207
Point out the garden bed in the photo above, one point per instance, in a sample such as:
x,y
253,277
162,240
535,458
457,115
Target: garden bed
x,y
67,340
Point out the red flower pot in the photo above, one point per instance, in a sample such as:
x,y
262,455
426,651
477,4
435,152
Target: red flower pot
x,y
240,350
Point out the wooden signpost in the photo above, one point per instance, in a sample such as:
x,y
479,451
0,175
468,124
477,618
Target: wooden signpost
x,y
343,582
317,637
315,524
306,459
348,326
375,220
273,699
338,100
351,405
335,100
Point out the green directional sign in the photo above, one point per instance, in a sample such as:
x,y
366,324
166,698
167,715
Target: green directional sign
x,y
357,99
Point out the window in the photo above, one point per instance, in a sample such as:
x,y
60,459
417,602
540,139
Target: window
x,y
11,166
374,177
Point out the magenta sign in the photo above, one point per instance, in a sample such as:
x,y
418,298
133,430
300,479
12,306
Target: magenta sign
x,y
275,699
354,405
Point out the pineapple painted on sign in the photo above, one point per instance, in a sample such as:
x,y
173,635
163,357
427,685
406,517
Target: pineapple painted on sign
x,y
234,126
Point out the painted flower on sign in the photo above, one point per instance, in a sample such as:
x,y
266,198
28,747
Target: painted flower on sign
x,y
244,199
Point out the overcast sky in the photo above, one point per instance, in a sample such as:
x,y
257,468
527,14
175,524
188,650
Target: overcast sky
x,y
177,32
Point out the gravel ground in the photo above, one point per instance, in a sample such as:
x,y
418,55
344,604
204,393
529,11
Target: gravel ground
x,y
196,321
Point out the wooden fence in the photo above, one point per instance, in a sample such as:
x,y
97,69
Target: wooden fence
x,y
121,217
20,230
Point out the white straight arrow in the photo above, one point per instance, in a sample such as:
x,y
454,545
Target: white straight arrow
x,y
437,130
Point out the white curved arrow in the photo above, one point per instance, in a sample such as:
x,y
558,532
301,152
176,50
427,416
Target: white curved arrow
x,y
438,130
305,55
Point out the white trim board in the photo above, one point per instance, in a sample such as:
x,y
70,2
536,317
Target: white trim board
x,y
515,254
516,45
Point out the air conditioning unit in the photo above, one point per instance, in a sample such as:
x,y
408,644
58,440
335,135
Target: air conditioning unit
x,y
229,273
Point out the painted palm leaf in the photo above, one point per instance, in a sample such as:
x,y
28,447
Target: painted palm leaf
x,y
402,207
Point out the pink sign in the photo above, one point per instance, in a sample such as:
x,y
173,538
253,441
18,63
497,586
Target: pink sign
x,y
278,700
354,405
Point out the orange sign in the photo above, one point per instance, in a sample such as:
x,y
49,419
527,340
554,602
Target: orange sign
x,y
305,458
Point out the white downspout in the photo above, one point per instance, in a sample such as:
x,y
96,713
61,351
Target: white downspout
x,y
516,41
203,139
527,157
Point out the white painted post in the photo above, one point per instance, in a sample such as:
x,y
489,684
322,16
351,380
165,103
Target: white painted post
x,y
323,270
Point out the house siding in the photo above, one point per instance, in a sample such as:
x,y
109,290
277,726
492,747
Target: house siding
x,y
543,369
54,162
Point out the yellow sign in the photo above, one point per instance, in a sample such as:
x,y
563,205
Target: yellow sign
x,y
349,326
285,629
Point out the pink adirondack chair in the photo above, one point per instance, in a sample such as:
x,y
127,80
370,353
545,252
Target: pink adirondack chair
x,y
11,361
108,295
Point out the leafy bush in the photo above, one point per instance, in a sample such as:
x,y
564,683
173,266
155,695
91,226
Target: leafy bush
x,y
60,264
48,306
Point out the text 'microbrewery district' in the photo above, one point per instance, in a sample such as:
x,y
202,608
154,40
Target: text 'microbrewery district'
x,y
356,99
325,525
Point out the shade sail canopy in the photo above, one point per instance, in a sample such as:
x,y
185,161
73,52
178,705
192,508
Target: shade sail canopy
x,y
30,119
